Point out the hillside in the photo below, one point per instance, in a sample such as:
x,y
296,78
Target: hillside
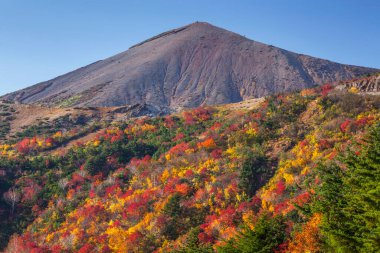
x,y
198,64
300,167
24,120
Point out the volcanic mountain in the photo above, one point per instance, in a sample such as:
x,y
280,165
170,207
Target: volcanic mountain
x,y
193,65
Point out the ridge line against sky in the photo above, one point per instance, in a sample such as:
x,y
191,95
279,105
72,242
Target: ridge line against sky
x,y
42,39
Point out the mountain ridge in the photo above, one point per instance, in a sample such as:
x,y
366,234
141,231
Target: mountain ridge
x,y
189,66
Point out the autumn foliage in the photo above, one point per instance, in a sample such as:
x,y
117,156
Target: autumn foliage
x,y
209,179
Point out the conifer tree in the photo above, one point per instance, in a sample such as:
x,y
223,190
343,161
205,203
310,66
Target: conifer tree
x,y
350,200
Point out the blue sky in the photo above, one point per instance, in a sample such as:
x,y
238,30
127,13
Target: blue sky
x,y
41,39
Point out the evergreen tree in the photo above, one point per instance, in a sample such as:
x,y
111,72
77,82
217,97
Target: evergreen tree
x,y
193,245
267,235
350,200
252,172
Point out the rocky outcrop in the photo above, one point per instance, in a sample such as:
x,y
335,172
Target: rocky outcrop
x,y
369,84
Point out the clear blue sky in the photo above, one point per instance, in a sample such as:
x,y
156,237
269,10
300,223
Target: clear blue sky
x,y
41,39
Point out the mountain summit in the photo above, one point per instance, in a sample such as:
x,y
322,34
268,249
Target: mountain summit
x,y
186,67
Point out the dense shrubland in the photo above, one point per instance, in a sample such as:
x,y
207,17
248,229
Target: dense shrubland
x,y
300,173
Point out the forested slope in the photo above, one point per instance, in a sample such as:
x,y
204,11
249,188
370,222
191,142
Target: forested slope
x,y
299,172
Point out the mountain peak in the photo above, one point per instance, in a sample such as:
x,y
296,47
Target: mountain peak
x,y
200,23
198,26
204,25
193,65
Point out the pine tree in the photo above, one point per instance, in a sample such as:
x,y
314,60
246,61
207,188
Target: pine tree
x,y
350,200
252,172
267,235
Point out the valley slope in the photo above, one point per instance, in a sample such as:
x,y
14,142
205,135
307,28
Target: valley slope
x,y
293,166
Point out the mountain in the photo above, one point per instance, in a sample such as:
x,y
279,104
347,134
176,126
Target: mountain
x,y
186,67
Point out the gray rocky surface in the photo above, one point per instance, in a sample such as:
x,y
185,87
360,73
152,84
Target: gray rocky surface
x,y
190,66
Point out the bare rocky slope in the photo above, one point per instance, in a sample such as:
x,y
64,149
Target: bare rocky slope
x,y
369,84
186,67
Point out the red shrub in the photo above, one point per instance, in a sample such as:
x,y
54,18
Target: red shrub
x,y
178,137
179,149
189,118
135,236
205,238
189,173
216,126
137,162
364,121
87,248
280,187
182,188
49,142
324,144
216,153
199,114
207,144
77,179
92,194
257,116
24,146
304,143
169,122
325,89
202,114
233,127
302,198
344,126
227,216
